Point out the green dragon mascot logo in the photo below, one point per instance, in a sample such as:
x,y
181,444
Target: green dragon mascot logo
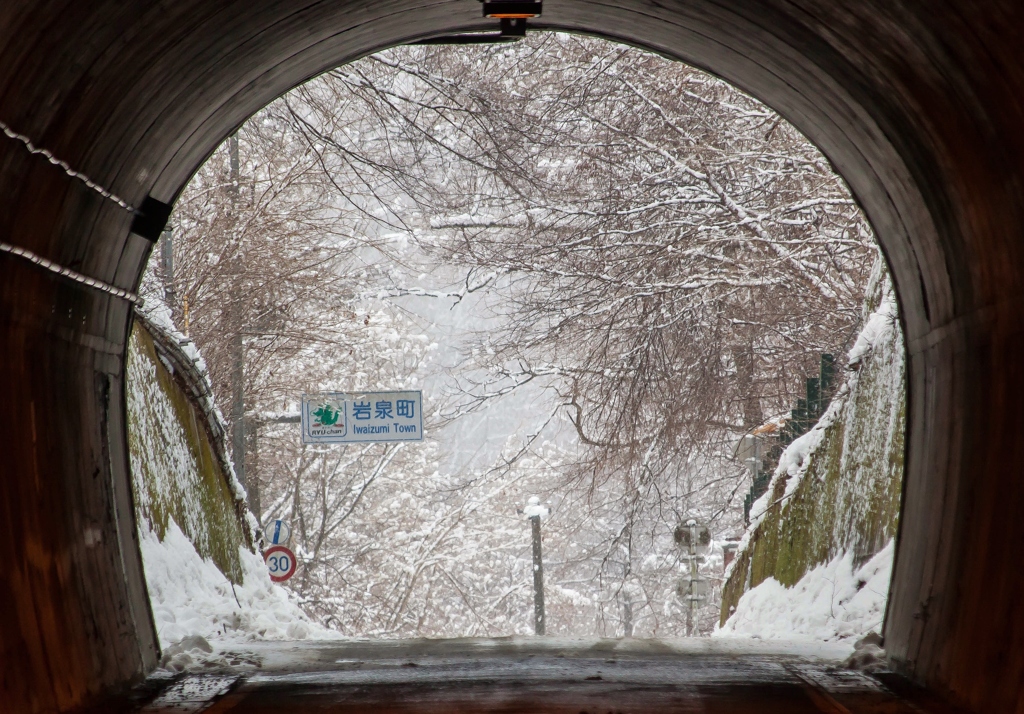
x,y
326,416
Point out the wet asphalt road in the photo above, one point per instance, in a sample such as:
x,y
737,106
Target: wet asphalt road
x,y
529,675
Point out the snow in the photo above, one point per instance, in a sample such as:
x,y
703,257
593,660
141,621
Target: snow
x,y
535,508
834,602
466,533
196,608
877,329
793,464
190,596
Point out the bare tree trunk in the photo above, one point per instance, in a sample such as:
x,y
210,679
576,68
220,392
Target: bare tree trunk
x,y
746,373
252,467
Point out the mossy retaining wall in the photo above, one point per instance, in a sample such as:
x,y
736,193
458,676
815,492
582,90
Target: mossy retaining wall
x,y
176,469
848,495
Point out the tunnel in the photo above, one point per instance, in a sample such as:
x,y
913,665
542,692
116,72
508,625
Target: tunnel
x,y
108,107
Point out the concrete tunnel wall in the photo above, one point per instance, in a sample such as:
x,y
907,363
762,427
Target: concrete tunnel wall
x,y
918,103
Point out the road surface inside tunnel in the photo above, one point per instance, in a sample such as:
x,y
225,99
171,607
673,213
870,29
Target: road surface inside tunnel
x,y
549,675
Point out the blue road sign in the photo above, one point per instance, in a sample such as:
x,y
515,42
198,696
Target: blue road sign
x,y
279,532
354,417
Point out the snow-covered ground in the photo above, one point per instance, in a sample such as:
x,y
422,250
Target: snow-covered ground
x,y
833,602
190,596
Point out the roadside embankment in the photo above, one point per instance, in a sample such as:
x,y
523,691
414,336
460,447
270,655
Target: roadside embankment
x,y
198,537
833,501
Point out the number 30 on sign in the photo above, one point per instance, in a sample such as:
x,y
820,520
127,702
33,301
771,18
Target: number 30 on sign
x,y
281,562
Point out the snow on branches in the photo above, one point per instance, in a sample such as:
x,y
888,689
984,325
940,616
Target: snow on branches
x,y
655,259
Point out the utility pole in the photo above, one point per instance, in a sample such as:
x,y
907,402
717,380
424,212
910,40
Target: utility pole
x,y
692,567
694,539
252,458
538,579
626,592
534,510
253,423
237,345
167,264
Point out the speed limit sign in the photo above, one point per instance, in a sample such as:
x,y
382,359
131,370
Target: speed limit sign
x,y
281,562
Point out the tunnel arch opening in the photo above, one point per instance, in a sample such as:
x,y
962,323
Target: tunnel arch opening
x,y
911,104
324,102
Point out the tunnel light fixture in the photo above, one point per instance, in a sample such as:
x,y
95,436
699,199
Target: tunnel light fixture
x,y
512,9
512,15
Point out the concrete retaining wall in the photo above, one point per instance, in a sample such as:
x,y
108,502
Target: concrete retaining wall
x,y
180,469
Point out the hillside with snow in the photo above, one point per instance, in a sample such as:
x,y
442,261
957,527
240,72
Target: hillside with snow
x,y
816,558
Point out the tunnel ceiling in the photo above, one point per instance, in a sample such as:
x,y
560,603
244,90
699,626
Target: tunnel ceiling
x,y
919,105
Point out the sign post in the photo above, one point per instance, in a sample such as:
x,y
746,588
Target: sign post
x,y
360,417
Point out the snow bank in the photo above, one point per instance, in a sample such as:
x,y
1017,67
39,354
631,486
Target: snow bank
x,y
880,325
191,596
877,333
833,602
880,319
198,511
